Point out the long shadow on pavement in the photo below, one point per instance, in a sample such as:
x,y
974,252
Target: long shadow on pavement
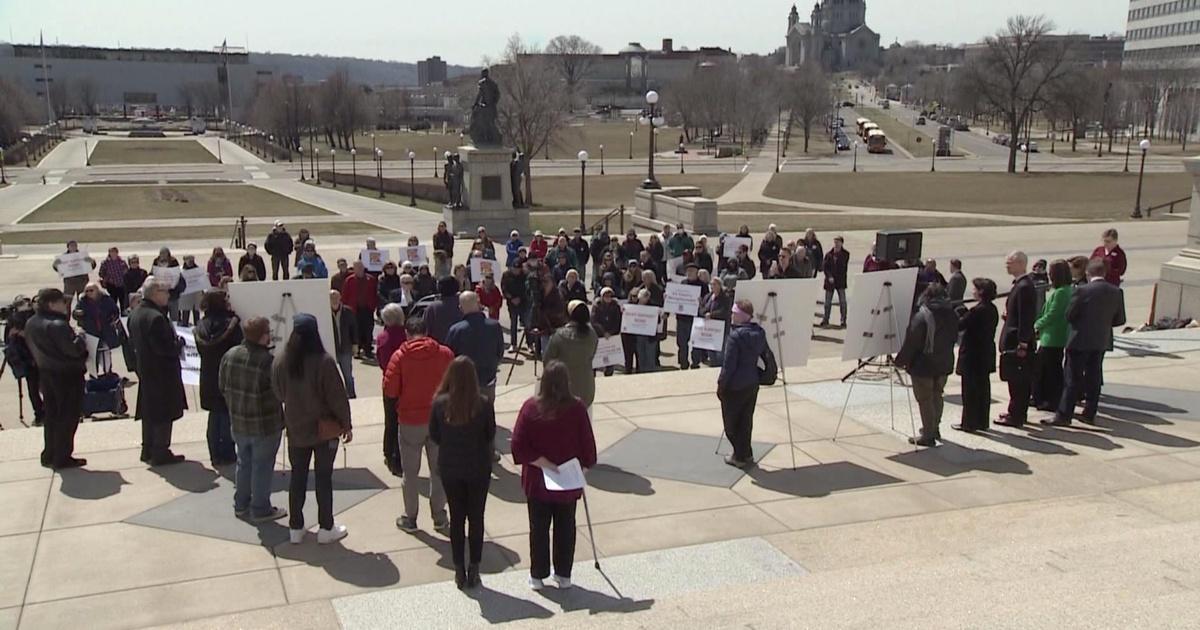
x,y
820,480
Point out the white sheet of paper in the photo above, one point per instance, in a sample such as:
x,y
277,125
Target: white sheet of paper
x,y
416,254
481,267
73,264
637,319
190,360
681,299
170,275
672,266
608,352
373,259
708,334
568,477
875,329
791,336
733,243
195,280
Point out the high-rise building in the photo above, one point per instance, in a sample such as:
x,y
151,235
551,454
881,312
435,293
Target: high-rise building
x,y
1163,33
430,71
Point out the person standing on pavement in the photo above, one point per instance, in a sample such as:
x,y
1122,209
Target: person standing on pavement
x,y
813,251
409,384
443,241
445,312
1095,309
583,251
738,382
256,417
216,333
389,340
1051,327
1115,262
361,293
112,277
279,247
977,357
679,242
956,287
513,286
316,412
836,266
1018,342
481,339
574,345
60,354
134,277
768,249
345,337
552,428
928,356
161,399
254,261
683,323
73,285
462,423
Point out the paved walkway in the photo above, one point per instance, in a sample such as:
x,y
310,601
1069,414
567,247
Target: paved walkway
x,y
864,531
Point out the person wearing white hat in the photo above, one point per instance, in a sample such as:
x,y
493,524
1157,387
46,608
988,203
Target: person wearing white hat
x,y
575,345
511,248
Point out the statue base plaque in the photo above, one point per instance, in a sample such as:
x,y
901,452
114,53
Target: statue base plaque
x,y
486,195
1178,291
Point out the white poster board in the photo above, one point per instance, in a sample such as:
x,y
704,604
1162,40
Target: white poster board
x,y
673,274
73,264
637,319
279,301
373,259
189,362
608,352
708,334
873,329
481,267
795,302
169,275
732,244
416,254
195,280
681,299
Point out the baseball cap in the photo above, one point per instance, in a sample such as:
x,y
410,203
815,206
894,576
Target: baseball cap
x,y
278,223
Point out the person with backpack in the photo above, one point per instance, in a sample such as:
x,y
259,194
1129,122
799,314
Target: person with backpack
x,y
928,356
740,378
19,357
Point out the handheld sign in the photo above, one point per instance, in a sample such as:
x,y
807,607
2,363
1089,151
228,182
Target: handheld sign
x,y
196,280
481,267
708,334
681,299
373,259
642,320
608,352
73,264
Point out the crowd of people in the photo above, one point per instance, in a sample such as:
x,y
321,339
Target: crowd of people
x,y
440,344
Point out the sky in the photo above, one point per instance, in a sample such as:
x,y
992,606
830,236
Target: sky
x,y
465,31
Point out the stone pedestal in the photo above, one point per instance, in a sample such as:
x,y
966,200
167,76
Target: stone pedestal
x,y
487,195
1178,293
678,204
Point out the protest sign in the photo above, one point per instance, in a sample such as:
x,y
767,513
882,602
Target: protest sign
x,y
708,334
681,299
637,319
608,352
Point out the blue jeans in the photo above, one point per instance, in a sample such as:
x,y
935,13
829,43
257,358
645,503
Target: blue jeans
x,y
220,437
646,348
255,470
841,293
346,363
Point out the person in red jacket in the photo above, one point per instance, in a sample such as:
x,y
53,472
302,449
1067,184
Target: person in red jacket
x,y
360,293
490,296
409,384
1113,256
538,246
552,428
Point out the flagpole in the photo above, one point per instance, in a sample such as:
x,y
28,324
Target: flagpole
x,y
46,80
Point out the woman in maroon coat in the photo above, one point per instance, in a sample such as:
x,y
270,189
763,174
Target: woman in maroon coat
x,y
551,429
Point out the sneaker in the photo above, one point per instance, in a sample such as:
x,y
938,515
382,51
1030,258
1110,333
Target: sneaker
x,y
561,582
536,584
275,514
406,524
442,528
327,536
296,536
737,463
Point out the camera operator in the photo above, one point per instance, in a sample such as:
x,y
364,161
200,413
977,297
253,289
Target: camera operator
x,y
18,356
61,355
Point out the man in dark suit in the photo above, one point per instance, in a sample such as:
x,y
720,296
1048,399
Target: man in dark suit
x,y
161,399
1096,308
1017,340
61,358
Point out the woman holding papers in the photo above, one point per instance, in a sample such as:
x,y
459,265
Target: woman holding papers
x,y
552,431
463,425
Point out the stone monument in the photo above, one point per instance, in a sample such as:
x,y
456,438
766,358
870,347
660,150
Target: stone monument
x,y
1178,291
485,186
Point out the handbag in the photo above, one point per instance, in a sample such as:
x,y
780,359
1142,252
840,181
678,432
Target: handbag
x,y
770,370
1011,365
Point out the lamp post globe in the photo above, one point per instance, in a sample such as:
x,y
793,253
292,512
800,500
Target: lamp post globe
x,y
379,169
300,150
272,142
652,97
1144,145
583,158
412,179
353,169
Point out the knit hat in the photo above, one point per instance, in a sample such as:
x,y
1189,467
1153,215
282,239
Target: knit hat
x,y
304,324
574,304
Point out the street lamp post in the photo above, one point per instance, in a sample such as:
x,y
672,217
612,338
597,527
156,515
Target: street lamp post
x,y
354,170
855,168
379,169
1128,144
583,158
25,145
87,158
602,159
300,150
778,136
653,116
1144,145
933,158
271,146
315,160
312,174
435,160
333,165
681,148
412,179
631,145
3,175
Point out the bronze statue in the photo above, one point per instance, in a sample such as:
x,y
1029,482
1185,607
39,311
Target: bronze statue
x,y
483,129
515,169
456,182
447,179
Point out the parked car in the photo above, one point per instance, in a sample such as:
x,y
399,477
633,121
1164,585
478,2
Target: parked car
x,y
847,103
843,142
920,120
961,125
1000,139
1032,147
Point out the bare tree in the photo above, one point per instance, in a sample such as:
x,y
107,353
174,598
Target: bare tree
x,y
16,110
533,111
88,95
1014,69
342,108
1075,99
808,95
574,57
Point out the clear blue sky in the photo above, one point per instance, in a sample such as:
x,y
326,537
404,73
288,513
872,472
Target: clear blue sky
x,y
464,31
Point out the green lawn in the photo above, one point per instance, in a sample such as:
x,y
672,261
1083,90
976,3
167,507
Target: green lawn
x,y
114,203
219,234
1095,196
150,151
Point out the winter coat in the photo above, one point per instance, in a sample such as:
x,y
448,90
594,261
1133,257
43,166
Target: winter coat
x,y
216,333
160,378
412,377
576,349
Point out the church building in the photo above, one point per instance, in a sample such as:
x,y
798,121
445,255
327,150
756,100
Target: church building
x,y
836,36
